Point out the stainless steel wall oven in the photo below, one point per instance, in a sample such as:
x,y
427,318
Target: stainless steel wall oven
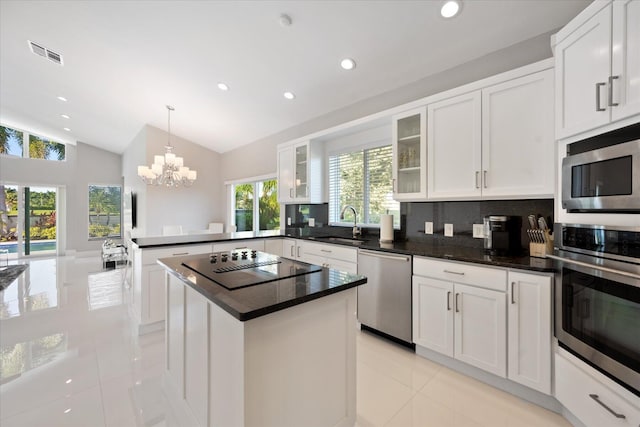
x,y
597,298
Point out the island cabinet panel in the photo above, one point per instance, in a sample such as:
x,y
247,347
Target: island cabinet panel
x,y
293,367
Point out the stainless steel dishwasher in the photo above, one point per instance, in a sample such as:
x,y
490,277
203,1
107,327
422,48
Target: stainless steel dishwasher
x,y
384,302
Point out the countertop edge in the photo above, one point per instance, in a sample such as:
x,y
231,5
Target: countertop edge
x,y
263,311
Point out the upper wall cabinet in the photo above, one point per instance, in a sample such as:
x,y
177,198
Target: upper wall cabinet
x,y
496,142
409,155
300,178
597,63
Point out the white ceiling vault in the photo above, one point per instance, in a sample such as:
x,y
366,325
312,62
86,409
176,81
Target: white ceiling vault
x,y
125,60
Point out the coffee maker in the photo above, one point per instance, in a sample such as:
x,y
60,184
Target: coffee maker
x,y
502,234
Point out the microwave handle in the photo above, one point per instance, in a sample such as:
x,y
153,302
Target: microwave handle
x,y
596,267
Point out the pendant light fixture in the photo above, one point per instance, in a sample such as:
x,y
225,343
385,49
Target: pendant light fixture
x,y
168,170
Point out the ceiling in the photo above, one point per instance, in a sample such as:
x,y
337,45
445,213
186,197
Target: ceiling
x,y
125,60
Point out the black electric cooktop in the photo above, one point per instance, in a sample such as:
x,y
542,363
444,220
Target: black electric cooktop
x,y
241,268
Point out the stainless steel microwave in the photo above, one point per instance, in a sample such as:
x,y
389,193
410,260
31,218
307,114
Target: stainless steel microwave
x,y
603,180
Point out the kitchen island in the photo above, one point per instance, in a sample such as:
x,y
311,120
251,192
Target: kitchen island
x,y
279,353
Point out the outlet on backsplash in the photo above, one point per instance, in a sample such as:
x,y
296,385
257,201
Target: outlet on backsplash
x,y
478,231
428,227
448,230
312,222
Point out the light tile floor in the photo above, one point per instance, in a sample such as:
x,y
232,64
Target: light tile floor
x,y
68,357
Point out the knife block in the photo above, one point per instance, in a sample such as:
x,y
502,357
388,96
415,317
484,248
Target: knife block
x,y
541,250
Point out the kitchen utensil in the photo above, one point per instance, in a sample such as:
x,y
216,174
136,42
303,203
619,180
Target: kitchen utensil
x,y
532,222
542,223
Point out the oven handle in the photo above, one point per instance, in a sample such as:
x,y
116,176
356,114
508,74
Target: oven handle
x,y
597,267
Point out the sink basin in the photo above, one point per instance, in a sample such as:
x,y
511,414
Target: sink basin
x,y
337,239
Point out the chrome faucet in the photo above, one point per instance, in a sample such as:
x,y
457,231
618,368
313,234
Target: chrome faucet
x,y
356,229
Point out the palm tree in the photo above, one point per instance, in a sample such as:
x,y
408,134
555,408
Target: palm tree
x,y
5,135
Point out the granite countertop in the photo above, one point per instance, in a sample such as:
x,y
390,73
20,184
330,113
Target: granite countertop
x,y
9,274
193,239
255,301
434,249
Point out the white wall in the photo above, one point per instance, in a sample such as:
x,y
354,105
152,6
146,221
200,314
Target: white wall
x,y
84,165
134,155
192,207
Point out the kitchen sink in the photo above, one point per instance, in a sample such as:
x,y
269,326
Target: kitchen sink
x,y
338,239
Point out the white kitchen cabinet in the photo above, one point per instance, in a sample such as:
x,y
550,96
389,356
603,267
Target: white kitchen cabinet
x,y
148,288
597,57
327,255
463,321
252,244
433,314
410,155
517,138
300,173
530,334
493,143
290,248
592,397
273,246
454,147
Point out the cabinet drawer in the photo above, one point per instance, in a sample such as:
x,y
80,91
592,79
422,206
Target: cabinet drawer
x,y
149,256
258,245
577,390
490,278
330,251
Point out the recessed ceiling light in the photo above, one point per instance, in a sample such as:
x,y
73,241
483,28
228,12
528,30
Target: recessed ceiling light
x,y
67,129
348,64
289,95
62,98
223,86
64,116
284,20
450,9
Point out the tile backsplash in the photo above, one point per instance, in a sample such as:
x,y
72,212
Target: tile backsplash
x,y
414,214
464,214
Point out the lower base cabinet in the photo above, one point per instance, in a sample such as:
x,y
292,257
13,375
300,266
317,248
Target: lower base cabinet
x,y
468,312
591,397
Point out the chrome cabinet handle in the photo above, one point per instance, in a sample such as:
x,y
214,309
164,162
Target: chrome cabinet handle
x,y
291,193
454,272
611,79
484,179
298,251
327,251
448,298
394,185
614,413
457,304
513,285
181,253
477,175
598,85
291,247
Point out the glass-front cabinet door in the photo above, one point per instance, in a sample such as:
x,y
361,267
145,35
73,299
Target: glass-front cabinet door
x,y
410,155
302,171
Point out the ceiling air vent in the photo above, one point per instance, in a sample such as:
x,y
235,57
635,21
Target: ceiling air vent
x,y
45,53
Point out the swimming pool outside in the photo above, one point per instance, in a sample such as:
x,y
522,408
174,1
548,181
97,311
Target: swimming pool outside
x,y
36,246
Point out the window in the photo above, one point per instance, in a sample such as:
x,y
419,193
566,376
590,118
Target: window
x,y
362,179
251,214
12,142
104,211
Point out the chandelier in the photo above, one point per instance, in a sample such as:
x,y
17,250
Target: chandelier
x,y
168,170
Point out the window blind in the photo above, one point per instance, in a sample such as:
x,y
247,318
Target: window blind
x,y
362,179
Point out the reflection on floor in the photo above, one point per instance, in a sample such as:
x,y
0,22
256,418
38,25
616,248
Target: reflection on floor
x,y
68,357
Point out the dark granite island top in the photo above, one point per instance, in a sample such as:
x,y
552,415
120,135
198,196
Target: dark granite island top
x,y
255,301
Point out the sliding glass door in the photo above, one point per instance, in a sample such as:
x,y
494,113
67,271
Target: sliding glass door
x,y
28,220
